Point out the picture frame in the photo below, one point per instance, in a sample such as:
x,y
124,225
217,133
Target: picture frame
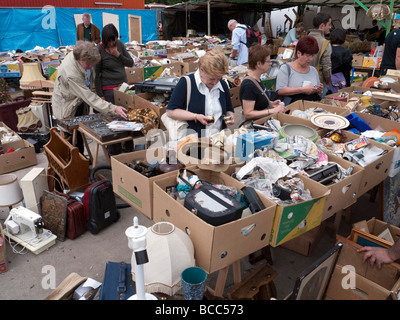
x,y
366,239
312,283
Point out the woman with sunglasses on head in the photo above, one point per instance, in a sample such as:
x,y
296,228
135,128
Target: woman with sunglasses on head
x,y
253,97
298,80
210,103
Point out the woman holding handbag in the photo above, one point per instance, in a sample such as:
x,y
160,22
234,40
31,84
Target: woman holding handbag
x,y
209,108
255,101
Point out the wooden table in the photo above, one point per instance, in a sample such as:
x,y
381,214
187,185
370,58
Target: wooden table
x,y
99,143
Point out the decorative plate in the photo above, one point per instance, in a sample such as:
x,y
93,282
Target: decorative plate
x,y
330,121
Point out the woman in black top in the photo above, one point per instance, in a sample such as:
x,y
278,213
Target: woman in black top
x,y
253,97
341,58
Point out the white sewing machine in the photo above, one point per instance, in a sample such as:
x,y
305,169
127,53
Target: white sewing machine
x,y
26,228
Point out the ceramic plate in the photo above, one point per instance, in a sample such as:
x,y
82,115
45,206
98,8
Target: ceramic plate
x,y
330,121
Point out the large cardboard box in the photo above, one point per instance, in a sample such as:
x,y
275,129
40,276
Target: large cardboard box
x,y
189,66
358,60
3,253
143,100
306,242
376,227
234,92
19,159
354,279
123,99
133,187
305,105
379,123
216,247
376,171
345,192
293,220
134,75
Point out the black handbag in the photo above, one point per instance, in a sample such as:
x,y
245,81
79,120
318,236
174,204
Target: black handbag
x,y
211,204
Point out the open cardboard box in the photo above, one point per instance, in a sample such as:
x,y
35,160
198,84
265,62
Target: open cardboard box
x,y
370,283
345,192
287,119
143,100
133,187
376,171
376,227
295,219
19,159
123,99
304,105
215,247
379,123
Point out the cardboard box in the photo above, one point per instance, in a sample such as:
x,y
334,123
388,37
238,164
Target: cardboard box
x,y
370,283
133,187
143,100
45,66
376,227
234,92
134,75
123,99
189,66
376,122
305,105
358,60
20,159
10,69
215,247
376,171
293,220
3,253
306,242
345,192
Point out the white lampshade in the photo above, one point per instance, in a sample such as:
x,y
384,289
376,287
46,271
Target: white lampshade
x,y
170,251
31,72
10,191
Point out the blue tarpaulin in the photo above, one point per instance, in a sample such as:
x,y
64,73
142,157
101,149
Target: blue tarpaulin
x,y
49,26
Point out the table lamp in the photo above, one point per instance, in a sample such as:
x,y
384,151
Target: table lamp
x,y
10,191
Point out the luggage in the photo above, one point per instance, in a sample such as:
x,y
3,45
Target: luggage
x,y
76,217
74,223
117,282
211,204
100,206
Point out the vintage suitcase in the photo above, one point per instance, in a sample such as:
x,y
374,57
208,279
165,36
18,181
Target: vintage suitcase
x,y
213,205
117,282
100,206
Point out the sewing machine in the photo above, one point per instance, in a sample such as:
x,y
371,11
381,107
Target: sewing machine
x,y
26,228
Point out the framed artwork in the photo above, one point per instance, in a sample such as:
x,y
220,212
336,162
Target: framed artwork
x,y
311,284
366,239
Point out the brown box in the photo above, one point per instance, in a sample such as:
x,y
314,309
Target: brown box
x,y
305,243
304,105
345,192
189,66
3,253
19,159
133,187
215,247
142,100
376,171
358,60
370,283
376,227
134,75
123,99
234,92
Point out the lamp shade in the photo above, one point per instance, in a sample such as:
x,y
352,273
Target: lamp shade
x,y
170,251
10,191
31,72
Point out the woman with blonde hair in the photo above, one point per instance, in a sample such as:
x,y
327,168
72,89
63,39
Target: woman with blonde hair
x,y
210,100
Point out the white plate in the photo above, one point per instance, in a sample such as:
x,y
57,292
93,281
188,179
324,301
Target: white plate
x,y
330,121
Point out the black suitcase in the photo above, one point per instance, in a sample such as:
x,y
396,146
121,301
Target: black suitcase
x,y
100,206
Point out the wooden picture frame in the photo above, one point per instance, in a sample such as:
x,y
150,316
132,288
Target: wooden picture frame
x,y
366,239
312,283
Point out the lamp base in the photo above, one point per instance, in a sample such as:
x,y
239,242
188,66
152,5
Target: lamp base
x,y
148,296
